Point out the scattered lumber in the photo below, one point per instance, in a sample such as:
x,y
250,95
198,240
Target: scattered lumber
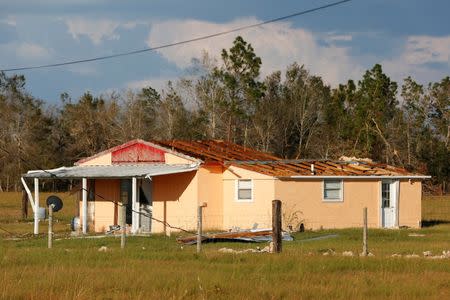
x,y
249,236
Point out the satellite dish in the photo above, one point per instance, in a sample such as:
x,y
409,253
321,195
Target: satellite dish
x,y
56,202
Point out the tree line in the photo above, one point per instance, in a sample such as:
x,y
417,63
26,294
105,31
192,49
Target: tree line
x,y
291,113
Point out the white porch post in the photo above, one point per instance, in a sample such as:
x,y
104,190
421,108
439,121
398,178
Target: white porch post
x,y
397,202
134,206
36,206
84,205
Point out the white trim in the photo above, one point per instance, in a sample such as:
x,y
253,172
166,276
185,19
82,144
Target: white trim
x,y
236,191
397,203
375,177
341,192
36,206
84,207
192,167
30,196
394,188
134,206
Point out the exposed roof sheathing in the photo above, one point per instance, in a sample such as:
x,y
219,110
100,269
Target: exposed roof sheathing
x,y
230,154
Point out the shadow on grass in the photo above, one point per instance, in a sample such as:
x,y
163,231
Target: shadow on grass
x,y
431,223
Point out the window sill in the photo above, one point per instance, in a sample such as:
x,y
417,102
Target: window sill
x,y
333,200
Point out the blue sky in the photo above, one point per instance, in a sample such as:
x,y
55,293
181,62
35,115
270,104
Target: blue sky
x,y
407,37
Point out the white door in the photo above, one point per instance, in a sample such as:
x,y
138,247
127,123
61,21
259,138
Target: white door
x,y
388,204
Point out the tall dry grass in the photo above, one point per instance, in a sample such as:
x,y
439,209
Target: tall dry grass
x,y
158,268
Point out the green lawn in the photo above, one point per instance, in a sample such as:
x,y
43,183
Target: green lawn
x,y
158,267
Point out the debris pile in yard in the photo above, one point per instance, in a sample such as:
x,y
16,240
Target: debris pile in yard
x,y
249,236
416,234
426,254
103,249
250,250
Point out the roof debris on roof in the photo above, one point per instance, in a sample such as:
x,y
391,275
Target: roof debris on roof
x,y
230,154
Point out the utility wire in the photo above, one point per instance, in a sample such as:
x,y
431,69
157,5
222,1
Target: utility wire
x,y
72,62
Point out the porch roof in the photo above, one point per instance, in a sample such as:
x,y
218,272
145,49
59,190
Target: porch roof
x,y
112,171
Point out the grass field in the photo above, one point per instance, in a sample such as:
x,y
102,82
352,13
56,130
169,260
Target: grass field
x,y
157,267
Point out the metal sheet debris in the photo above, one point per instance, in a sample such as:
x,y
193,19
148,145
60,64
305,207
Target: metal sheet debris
x,y
246,236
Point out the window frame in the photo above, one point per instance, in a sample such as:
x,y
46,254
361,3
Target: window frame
x,y
236,190
341,191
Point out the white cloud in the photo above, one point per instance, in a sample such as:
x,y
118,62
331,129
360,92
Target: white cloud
x,y
339,38
278,45
83,69
96,30
413,58
427,49
158,83
9,20
32,52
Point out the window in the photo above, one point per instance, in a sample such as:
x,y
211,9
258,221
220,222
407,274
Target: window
x,y
386,194
244,190
332,190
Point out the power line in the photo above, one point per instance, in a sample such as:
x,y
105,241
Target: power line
x,y
177,43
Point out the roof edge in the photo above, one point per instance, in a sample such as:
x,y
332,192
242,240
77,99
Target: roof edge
x,y
356,177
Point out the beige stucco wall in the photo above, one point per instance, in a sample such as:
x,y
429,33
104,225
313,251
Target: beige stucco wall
x,y
245,214
304,198
175,200
175,159
210,191
105,210
410,203
101,211
101,160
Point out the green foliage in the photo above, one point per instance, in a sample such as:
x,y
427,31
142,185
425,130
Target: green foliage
x,y
293,114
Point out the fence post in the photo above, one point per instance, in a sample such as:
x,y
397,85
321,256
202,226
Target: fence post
x,y
50,226
123,225
199,228
276,226
365,252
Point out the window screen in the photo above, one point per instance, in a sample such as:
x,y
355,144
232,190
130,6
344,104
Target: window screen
x,y
244,189
332,190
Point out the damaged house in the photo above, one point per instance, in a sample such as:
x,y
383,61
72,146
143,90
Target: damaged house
x,y
170,179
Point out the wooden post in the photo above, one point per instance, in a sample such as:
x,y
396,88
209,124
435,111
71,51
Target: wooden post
x,y
50,226
199,229
24,205
123,225
365,252
276,226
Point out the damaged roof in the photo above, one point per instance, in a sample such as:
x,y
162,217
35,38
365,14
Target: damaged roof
x,y
113,171
230,154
